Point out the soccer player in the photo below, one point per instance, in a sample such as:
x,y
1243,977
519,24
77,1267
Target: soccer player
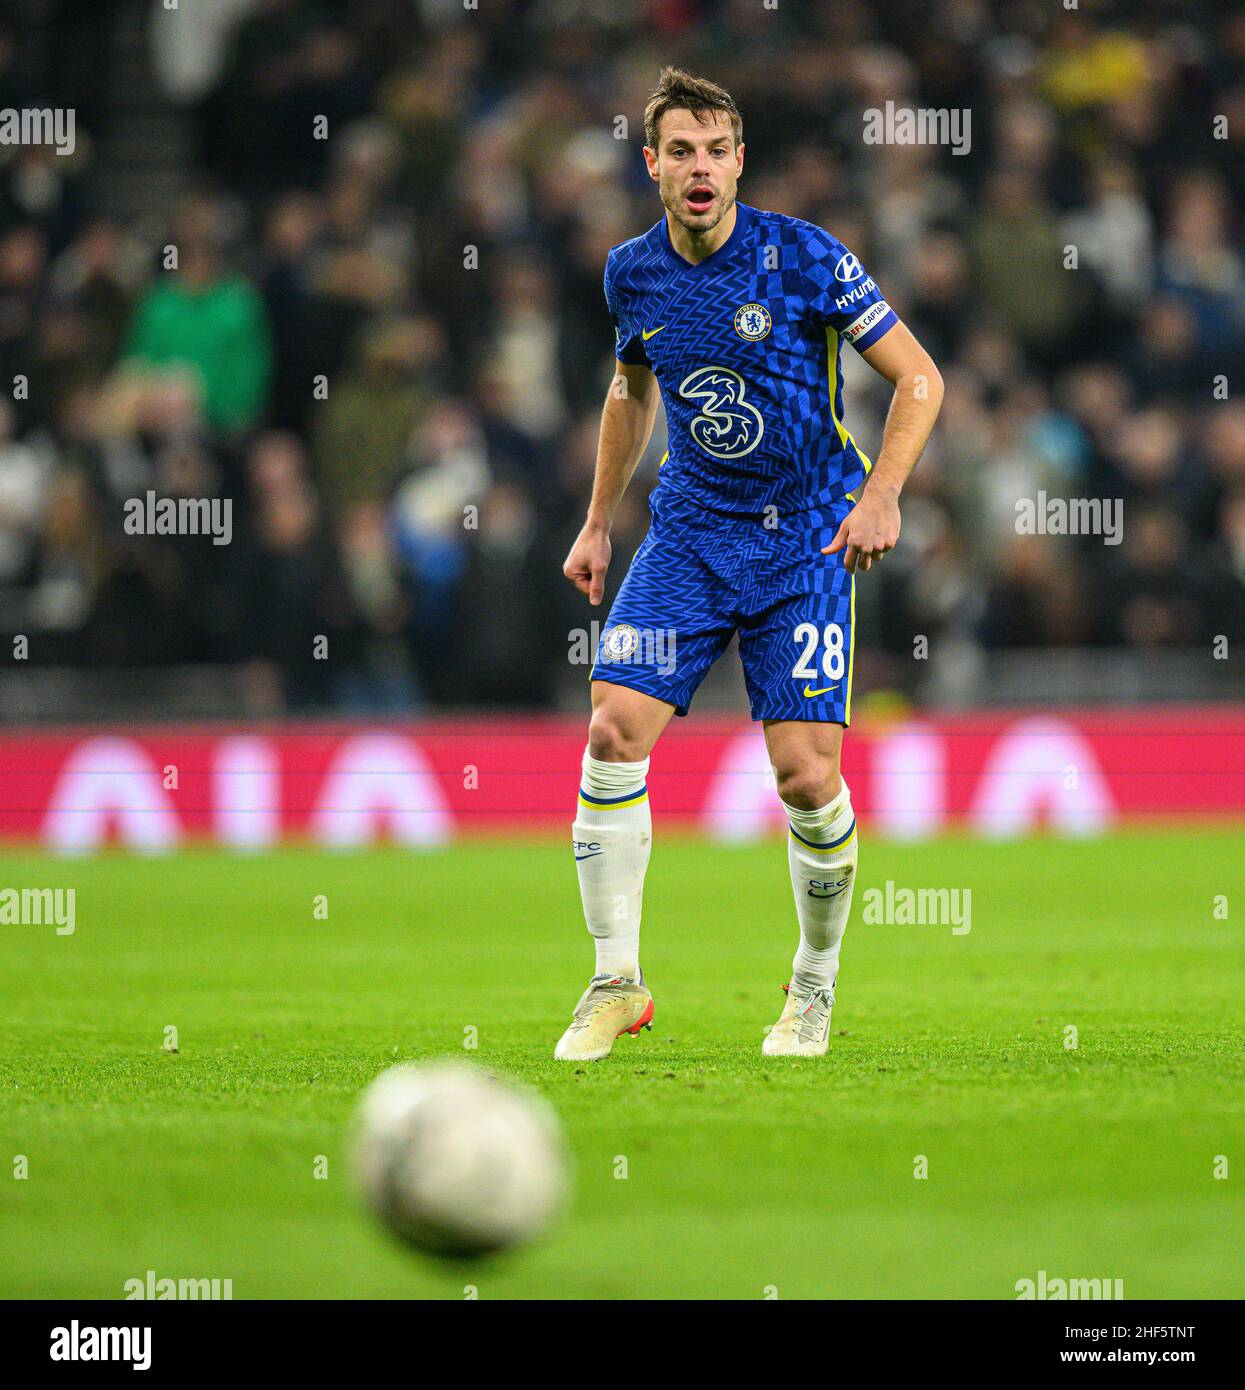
x,y
765,511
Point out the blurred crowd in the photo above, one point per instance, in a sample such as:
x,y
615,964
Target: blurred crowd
x,y
389,347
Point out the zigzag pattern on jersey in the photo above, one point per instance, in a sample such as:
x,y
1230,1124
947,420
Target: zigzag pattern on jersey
x,y
704,577
819,593
801,460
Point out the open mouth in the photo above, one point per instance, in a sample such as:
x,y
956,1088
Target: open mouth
x,y
700,198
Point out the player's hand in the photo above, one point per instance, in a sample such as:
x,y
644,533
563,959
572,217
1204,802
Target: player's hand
x,y
868,531
589,559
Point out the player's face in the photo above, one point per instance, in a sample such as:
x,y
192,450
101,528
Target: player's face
x,y
697,166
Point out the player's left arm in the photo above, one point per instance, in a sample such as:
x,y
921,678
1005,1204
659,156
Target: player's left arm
x,y
871,528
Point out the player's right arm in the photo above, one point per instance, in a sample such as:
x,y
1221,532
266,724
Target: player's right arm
x,y
626,427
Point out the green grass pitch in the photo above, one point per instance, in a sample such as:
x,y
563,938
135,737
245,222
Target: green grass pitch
x,y
745,1175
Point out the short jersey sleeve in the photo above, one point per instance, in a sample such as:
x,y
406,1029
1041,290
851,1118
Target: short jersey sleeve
x,y
842,294
628,336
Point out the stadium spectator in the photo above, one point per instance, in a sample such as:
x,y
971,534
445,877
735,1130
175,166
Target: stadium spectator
x,y
385,341
207,320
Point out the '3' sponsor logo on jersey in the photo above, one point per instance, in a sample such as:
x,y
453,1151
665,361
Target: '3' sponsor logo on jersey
x,y
728,426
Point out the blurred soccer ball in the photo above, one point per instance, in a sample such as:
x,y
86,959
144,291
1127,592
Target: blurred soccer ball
x,y
458,1162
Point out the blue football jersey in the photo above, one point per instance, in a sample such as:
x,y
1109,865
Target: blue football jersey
x,y
746,347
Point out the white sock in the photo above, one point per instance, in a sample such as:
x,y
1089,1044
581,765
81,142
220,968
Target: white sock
x,y
821,852
613,834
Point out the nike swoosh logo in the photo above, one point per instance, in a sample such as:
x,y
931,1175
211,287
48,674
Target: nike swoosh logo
x,y
646,334
808,694
593,855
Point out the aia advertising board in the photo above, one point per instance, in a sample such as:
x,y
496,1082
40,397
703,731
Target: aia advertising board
x,y
427,783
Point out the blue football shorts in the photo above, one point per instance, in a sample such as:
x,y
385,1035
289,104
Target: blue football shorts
x,y
700,577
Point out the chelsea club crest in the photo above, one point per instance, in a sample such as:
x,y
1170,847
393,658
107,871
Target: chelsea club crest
x,y
753,322
620,643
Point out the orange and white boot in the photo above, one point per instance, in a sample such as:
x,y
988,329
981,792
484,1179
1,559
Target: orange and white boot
x,y
610,1007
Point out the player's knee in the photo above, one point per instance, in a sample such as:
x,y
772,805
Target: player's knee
x,y
808,788
611,741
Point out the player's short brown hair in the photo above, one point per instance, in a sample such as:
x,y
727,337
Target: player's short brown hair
x,y
679,90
